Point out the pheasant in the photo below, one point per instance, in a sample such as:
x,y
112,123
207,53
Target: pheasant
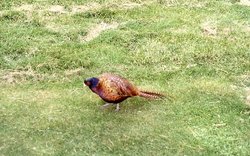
x,y
114,89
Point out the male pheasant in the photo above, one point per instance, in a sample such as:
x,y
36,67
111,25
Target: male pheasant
x,y
114,89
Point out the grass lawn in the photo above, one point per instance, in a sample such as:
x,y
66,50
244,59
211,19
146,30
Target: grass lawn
x,y
197,51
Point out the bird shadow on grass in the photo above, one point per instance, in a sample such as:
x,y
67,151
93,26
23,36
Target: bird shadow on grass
x,y
132,105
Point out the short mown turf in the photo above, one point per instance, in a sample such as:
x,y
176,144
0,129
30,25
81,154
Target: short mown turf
x,y
197,51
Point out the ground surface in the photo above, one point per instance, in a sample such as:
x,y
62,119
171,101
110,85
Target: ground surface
x,y
197,50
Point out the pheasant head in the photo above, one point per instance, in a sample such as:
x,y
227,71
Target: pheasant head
x,y
91,82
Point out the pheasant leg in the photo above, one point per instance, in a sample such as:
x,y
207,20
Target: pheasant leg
x,y
105,105
117,108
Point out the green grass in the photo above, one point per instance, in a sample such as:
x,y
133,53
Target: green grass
x,y
197,51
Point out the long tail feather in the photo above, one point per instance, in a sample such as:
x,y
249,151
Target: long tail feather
x,y
151,95
154,95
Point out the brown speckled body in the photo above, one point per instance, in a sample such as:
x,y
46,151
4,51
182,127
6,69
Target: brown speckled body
x,y
114,89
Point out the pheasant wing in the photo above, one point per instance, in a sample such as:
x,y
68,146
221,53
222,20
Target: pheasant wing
x,y
119,86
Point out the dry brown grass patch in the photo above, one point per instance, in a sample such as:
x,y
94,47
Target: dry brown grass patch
x,y
71,72
209,28
57,9
98,29
247,28
17,76
245,2
131,5
25,7
247,96
83,8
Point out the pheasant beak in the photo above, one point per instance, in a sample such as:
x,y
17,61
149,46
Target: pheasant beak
x,y
86,82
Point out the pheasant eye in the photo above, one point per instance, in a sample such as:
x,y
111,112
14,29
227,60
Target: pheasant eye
x,y
87,83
